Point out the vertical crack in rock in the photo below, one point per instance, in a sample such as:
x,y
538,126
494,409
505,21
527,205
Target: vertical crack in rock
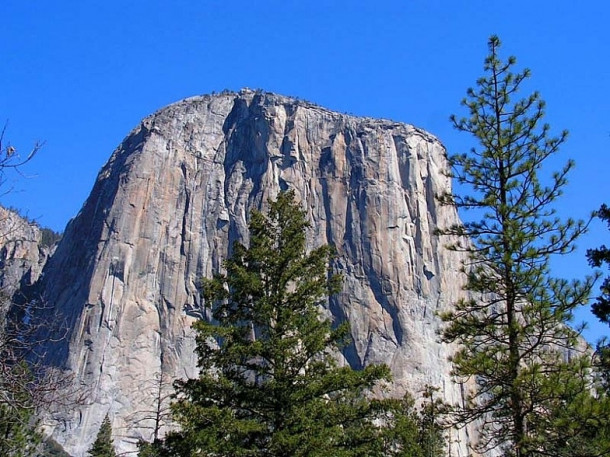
x,y
185,232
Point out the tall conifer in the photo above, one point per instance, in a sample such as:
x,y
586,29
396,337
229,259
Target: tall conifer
x,y
269,384
514,342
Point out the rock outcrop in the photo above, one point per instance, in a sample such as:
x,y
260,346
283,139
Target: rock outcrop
x,y
22,252
176,194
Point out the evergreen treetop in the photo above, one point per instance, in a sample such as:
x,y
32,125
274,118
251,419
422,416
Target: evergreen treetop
x,y
103,444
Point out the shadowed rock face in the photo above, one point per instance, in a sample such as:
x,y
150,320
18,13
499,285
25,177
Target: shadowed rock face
x,y
177,193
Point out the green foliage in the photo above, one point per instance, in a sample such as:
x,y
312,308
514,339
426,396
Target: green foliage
x,y
412,433
18,436
601,307
153,449
26,385
49,237
268,384
513,335
580,423
102,446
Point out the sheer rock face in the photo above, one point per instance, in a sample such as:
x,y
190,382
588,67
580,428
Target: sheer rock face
x,y
177,193
22,255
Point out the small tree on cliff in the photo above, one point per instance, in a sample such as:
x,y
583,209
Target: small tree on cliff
x,y
513,335
102,446
269,385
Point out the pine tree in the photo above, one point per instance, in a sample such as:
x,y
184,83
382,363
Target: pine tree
x,y
412,433
598,257
514,341
269,384
102,446
601,307
18,435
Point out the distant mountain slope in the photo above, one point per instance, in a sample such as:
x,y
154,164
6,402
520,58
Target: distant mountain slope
x,y
24,249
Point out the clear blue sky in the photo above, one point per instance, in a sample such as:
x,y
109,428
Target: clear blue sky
x,y
80,75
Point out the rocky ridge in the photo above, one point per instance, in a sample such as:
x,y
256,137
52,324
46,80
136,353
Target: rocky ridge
x,y
177,192
22,252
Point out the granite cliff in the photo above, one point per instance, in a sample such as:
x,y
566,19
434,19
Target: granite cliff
x,y
23,252
175,195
